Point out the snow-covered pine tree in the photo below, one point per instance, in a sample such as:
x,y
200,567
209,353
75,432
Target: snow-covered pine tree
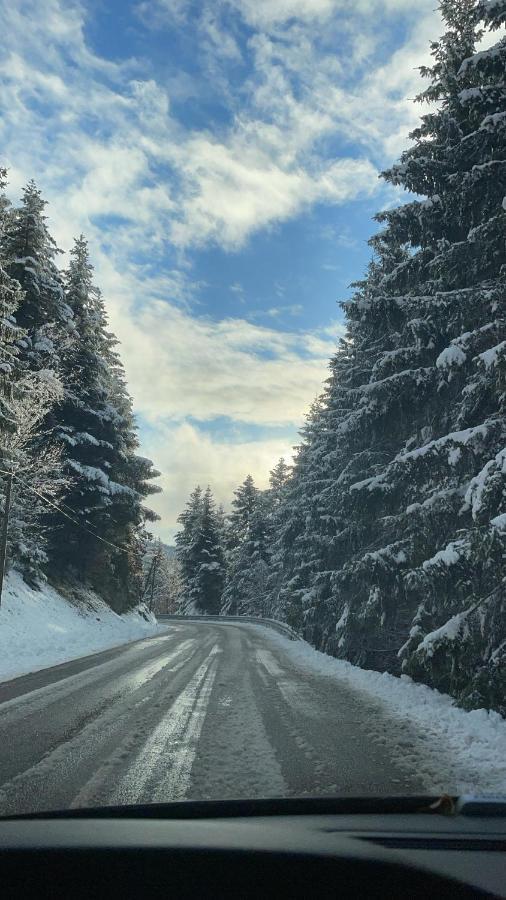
x,y
209,578
201,555
299,531
134,475
238,523
26,447
395,540
278,480
222,522
185,539
42,311
243,505
95,423
252,569
10,333
245,591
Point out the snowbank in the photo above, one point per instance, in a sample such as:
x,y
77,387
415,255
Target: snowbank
x,y
42,628
453,750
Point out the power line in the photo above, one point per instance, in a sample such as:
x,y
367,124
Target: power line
x,y
61,503
62,513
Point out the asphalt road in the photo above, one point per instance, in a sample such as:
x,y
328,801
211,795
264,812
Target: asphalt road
x,y
203,711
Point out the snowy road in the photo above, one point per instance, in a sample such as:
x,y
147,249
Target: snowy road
x,y
203,711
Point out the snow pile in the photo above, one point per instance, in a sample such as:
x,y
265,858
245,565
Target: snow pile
x,y
451,749
41,628
451,356
492,356
450,631
499,522
449,556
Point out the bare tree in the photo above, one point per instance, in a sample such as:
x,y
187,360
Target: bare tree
x,y
162,579
35,459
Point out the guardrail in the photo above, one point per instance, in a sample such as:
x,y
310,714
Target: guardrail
x,y
280,627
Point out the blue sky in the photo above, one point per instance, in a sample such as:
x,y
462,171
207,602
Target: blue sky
x,y
222,158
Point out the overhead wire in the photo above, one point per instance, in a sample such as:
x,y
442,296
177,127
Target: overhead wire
x,y
55,506
61,503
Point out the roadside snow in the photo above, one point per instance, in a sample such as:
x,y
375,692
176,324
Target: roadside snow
x,y
42,628
452,750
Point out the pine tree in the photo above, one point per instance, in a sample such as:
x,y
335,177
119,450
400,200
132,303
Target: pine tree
x,y
185,538
394,540
245,592
27,448
294,560
201,555
243,505
278,480
42,310
222,522
207,586
252,566
95,423
10,333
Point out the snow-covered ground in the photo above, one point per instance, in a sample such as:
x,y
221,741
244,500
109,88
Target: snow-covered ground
x,y
42,628
454,750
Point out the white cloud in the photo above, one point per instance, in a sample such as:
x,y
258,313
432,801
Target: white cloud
x,y
265,13
187,456
262,170
237,188
180,365
155,12
291,309
353,95
220,41
110,130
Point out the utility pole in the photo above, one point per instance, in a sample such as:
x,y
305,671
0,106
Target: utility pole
x,y
153,579
3,535
147,581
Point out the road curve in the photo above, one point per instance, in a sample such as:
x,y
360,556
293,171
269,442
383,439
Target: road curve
x,y
202,711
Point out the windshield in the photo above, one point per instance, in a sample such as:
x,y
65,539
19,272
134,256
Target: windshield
x,y
252,400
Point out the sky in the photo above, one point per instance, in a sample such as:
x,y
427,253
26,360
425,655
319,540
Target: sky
x,y
222,158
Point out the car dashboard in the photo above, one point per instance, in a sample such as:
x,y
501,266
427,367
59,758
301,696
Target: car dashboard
x,y
239,850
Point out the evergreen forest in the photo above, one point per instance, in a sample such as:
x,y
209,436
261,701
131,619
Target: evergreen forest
x,y
384,543
68,439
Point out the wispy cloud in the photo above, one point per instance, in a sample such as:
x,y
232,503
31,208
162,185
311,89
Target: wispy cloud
x,y
105,132
316,101
180,365
187,455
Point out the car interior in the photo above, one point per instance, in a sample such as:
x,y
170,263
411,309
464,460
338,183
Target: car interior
x,y
414,847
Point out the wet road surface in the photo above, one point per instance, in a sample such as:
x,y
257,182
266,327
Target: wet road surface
x,y
200,711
